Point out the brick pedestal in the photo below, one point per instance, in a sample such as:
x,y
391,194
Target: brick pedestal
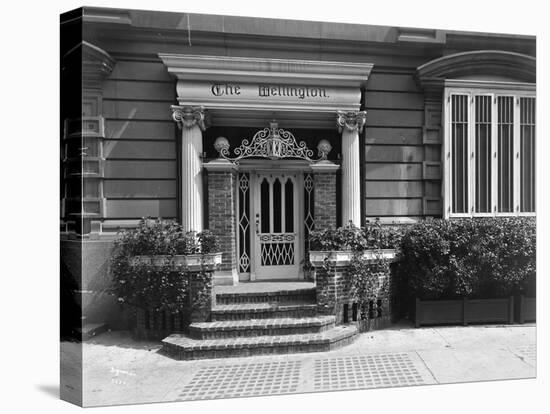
x,y
332,291
324,207
221,217
156,325
201,312
335,296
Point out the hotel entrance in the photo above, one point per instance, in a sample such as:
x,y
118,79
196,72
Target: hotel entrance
x,y
265,189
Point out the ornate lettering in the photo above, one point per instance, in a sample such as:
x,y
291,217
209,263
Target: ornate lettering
x,y
220,89
300,92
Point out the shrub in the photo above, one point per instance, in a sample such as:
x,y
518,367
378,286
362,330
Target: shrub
x,y
364,279
208,242
158,288
363,275
480,257
350,237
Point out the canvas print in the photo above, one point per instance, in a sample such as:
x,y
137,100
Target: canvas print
x,y
257,206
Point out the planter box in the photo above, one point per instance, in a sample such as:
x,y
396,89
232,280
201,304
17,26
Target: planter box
x,y
191,262
342,258
464,311
527,309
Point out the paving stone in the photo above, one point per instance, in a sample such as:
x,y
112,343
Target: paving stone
x,y
366,371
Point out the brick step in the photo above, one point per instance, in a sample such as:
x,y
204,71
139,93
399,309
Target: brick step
x,y
179,346
306,295
263,311
261,327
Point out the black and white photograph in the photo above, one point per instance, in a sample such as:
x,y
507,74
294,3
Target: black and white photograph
x,y
269,208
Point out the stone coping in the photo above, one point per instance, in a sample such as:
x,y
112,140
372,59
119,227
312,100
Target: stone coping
x,y
341,258
191,262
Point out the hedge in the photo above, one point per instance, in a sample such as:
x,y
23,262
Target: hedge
x,y
475,258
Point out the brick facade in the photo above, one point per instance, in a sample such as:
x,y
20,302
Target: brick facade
x,y
221,214
324,199
335,297
155,325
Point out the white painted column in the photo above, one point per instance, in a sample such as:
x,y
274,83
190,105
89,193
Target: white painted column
x,y
350,124
190,120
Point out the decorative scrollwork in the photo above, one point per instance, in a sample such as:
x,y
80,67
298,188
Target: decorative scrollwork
x,y
272,142
189,116
352,120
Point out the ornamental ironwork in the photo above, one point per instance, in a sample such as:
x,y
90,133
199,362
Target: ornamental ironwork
x,y
274,143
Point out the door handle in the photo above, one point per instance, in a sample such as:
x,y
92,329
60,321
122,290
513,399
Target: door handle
x,y
257,225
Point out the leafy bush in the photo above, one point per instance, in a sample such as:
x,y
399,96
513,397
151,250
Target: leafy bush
x,y
364,282
350,237
208,242
480,257
363,274
159,287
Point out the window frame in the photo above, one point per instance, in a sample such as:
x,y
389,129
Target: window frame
x,y
494,89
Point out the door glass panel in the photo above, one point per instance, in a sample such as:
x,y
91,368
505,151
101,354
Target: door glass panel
x,y
289,206
483,153
459,153
277,206
244,222
264,206
527,159
505,131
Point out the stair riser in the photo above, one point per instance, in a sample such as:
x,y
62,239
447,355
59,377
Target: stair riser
x,y
178,353
219,334
230,299
264,314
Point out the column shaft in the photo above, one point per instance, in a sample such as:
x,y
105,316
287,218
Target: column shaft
x,y
191,180
350,124
351,180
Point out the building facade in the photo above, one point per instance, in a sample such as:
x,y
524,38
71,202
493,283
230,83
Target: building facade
x,y
262,130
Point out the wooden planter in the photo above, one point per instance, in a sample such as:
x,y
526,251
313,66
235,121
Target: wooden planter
x,y
527,309
464,311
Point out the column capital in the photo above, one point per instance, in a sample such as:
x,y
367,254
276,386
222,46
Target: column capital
x,y
351,120
189,116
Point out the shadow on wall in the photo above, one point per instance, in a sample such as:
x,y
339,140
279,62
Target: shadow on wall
x,y
85,282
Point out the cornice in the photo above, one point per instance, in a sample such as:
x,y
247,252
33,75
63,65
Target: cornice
x,y
95,63
432,75
288,71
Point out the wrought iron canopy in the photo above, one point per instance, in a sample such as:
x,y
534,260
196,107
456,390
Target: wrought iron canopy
x,y
274,143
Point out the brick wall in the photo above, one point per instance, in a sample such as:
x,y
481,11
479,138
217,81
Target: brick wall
x,y
335,297
156,325
324,200
221,214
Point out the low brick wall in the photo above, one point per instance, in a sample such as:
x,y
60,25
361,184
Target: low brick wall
x,y
335,297
156,325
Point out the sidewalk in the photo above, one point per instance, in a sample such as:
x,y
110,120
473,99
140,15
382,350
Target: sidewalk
x,y
118,370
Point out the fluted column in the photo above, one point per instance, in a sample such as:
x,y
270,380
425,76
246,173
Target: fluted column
x,y
350,124
191,121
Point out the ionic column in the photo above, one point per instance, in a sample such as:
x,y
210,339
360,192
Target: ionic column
x,y
350,124
191,121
